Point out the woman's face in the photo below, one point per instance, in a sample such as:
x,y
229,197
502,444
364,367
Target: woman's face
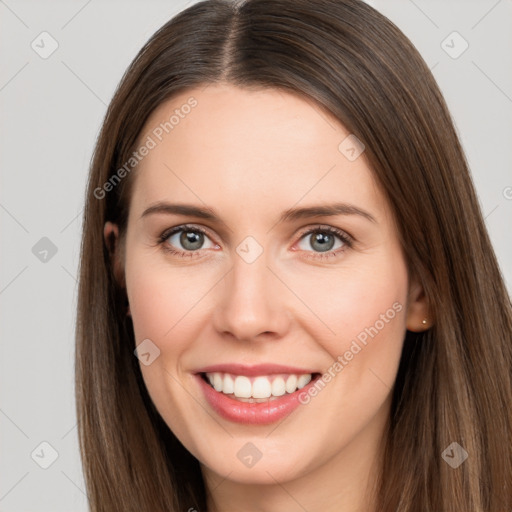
x,y
254,299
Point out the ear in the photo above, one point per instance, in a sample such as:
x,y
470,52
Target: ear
x,y
418,314
111,237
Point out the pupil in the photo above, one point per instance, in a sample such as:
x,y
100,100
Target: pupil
x,y
326,241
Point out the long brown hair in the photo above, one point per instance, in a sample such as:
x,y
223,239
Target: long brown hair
x,y
454,382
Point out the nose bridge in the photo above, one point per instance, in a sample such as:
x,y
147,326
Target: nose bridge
x,y
250,305
249,280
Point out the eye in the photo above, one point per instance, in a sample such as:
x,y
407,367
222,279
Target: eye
x,y
326,241
185,241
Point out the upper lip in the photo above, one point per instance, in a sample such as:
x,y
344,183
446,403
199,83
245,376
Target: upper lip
x,y
254,370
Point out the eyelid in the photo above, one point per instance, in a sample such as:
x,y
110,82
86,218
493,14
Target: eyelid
x,y
184,227
325,227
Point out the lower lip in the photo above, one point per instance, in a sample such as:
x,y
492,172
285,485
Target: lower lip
x,y
262,413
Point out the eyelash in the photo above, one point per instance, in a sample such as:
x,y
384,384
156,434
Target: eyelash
x,y
344,237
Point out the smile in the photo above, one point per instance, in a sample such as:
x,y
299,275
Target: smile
x,y
254,395
259,388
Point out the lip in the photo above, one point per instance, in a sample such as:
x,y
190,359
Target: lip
x,y
263,413
254,370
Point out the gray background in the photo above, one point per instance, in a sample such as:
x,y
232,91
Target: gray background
x,y
51,111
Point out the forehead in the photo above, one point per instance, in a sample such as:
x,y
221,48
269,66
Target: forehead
x,y
249,148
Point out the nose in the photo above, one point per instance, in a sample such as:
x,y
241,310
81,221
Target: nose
x,y
251,302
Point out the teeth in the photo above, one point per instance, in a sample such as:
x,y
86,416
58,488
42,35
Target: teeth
x,y
228,386
278,387
291,384
303,380
262,387
242,387
217,381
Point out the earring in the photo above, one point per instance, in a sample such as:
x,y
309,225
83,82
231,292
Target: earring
x,y
424,321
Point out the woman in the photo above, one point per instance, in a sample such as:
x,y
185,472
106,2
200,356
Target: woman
x,y
288,298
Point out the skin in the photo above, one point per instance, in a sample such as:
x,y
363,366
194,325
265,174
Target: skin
x,y
250,155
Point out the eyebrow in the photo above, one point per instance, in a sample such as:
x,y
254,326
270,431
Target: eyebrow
x,y
327,210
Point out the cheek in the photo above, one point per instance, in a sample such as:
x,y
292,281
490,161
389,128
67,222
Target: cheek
x,y
159,299
359,316
159,303
346,301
